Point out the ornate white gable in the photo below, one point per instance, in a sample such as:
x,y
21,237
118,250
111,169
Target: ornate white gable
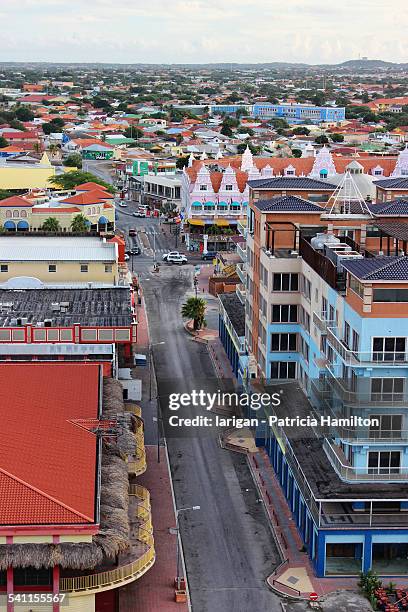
x,y
323,163
401,167
247,161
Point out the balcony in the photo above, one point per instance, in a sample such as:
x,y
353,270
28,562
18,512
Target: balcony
x,y
241,250
241,271
357,358
321,322
137,463
132,564
362,396
350,473
241,292
242,227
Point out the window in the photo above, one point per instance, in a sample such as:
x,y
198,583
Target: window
x,y
283,369
52,268
228,187
84,267
3,268
387,389
203,187
390,295
305,287
356,286
384,462
304,319
356,342
347,334
285,282
332,316
284,313
324,308
389,349
108,268
283,342
304,349
389,426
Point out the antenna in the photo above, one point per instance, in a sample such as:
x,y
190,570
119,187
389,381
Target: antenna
x,y
347,199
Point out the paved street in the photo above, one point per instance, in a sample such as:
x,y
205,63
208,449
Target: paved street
x,y
228,546
229,549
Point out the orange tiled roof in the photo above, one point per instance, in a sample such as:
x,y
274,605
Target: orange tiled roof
x,y
95,196
15,201
90,186
47,463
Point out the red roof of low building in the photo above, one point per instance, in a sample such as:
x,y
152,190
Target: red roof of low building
x,y
15,201
47,463
95,196
20,135
90,186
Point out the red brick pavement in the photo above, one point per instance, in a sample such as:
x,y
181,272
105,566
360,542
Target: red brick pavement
x,y
154,592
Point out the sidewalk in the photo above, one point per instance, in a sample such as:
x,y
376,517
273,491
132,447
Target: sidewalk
x,y
154,591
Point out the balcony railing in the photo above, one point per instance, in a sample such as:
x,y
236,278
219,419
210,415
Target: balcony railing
x,y
130,571
241,271
137,464
241,292
321,322
241,252
242,227
352,473
373,358
362,397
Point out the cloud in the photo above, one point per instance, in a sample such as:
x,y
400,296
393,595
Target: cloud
x,y
193,31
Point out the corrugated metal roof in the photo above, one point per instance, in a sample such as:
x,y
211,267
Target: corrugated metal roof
x,y
33,248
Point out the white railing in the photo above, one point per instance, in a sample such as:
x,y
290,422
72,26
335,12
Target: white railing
x,y
241,292
352,473
241,252
350,357
241,271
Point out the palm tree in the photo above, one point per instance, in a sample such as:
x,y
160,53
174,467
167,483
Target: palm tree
x,y
80,224
51,225
194,309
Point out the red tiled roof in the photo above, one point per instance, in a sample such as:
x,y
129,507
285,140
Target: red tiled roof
x,y
15,201
47,463
88,197
59,210
19,135
90,186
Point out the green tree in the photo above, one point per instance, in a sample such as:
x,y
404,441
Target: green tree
x,y
194,309
301,131
337,137
226,131
69,180
51,224
241,148
296,153
182,162
133,132
3,142
79,224
55,125
17,125
5,194
74,160
24,114
322,139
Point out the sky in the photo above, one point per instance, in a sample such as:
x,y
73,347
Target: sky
x,y
203,31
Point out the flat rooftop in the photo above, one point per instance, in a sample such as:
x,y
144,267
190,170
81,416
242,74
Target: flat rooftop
x,y
235,311
51,248
103,307
307,447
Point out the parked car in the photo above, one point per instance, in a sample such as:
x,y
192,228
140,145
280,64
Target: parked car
x,y
135,251
171,253
122,205
132,231
177,259
209,256
139,213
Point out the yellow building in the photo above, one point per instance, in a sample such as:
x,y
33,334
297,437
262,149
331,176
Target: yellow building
x,y
19,175
59,260
29,212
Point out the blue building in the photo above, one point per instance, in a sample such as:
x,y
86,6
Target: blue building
x,y
299,113
232,331
327,321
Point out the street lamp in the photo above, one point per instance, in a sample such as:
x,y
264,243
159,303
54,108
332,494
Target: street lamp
x,y
178,577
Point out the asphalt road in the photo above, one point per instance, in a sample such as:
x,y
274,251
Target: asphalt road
x,y
228,547
229,550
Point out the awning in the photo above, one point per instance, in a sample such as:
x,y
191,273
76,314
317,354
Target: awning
x,y
196,222
23,225
10,224
103,220
221,222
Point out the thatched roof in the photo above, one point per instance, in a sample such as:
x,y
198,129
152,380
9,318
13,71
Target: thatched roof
x,y
114,533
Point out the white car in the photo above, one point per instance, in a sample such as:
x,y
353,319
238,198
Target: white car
x,y
177,259
122,205
170,254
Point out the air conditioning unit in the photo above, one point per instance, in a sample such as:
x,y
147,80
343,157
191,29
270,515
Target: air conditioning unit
x,y
40,324
13,323
47,322
55,306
